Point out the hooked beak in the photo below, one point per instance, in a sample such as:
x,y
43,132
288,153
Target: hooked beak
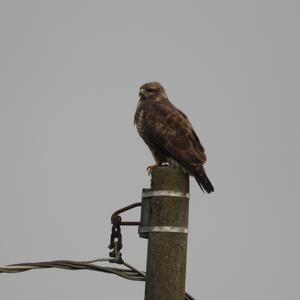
x,y
142,92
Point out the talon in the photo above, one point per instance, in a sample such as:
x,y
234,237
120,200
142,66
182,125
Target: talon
x,y
151,168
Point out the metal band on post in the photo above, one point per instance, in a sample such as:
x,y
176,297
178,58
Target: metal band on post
x,y
150,193
175,229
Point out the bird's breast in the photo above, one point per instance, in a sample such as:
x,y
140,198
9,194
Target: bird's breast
x,y
138,120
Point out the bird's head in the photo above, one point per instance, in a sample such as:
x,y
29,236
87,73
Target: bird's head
x,y
153,91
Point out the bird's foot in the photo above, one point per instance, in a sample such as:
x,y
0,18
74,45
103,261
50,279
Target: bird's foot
x,y
150,169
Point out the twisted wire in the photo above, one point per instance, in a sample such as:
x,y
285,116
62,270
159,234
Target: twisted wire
x,y
130,272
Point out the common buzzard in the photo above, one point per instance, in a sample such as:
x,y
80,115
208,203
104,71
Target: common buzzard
x,y
169,134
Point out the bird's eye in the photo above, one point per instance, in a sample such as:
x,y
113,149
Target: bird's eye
x,y
150,90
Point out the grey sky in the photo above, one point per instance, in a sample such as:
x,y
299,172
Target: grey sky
x,y
70,156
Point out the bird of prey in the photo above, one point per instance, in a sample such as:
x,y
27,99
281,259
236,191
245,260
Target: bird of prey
x,y
169,134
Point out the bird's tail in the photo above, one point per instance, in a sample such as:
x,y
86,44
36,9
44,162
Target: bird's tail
x,y
203,181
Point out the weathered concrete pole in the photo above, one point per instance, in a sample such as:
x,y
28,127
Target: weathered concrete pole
x,y
167,226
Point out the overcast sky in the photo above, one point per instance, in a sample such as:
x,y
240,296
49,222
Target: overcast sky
x,y
69,75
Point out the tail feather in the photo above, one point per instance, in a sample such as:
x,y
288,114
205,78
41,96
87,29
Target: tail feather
x,y
203,181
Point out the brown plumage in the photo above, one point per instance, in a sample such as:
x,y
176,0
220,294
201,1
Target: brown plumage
x,y
169,134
